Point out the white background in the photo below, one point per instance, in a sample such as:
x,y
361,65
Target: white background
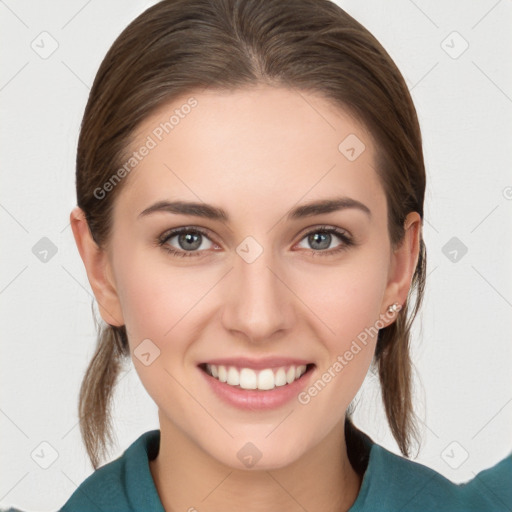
x,y
462,343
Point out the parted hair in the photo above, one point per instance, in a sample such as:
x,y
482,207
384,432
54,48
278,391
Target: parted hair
x,y
178,46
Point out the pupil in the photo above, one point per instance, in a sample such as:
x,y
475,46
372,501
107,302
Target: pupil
x,y
326,238
188,239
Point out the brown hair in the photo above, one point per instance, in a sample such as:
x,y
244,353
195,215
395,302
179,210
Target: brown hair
x,y
177,46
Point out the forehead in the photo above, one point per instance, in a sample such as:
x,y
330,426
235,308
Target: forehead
x,y
256,148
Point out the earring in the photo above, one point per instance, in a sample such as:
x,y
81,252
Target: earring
x,y
393,308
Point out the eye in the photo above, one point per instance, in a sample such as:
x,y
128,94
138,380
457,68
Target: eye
x,y
320,239
190,241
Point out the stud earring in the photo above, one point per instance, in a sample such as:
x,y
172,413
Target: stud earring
x,y
394,308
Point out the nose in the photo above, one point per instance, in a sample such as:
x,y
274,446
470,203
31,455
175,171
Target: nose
x,y
258,302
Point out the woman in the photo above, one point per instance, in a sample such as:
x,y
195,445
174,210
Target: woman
x,y
279,140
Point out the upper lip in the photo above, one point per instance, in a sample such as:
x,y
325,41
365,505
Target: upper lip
x,y
257,364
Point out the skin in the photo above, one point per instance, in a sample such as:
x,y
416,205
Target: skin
x,y
256,152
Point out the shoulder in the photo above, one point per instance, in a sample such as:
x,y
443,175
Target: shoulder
x,y
393,482
123,484
104,488
404,484
494,485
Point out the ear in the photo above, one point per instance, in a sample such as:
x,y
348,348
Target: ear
x,y
98,269
403,264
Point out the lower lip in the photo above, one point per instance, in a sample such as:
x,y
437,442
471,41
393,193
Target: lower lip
x,y
257,399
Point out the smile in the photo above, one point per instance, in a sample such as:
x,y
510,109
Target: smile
x,y
247,378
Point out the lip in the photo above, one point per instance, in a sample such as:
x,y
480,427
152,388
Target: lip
x,y
257,400
257,364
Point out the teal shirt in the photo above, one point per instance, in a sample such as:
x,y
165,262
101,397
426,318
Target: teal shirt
x,y
390,483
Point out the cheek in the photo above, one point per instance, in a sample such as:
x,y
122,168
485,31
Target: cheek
x,y
160,301
155,308
149,295
153,293
349,307
346,298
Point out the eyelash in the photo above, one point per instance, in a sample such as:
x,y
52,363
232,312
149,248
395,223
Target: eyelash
x,y
347,241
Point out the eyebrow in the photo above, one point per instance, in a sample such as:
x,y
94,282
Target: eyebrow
x,y
215,213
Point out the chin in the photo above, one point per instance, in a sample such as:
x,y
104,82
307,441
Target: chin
x,y
259,453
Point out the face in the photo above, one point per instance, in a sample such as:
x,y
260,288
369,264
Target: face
x,y
263,288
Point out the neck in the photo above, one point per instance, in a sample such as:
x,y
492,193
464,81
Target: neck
x,y
188,478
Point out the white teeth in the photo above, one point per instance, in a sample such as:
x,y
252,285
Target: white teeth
x,y
223,374
247,378
280,377
233,377
266,379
